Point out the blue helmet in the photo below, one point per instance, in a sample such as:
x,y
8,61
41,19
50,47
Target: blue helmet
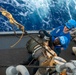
x,y
70,24
63,40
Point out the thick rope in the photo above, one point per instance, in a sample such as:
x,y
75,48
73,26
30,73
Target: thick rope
x,y
12,21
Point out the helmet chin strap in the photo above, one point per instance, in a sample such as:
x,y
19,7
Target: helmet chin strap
x,y
13,22
66,31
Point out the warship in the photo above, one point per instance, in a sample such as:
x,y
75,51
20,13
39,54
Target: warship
x,y
16,48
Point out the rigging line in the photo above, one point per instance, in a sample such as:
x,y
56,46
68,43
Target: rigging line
x,y
31,61
15,32
31,66
18,36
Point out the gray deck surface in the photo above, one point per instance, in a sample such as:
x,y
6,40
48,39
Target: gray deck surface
x,y
14,56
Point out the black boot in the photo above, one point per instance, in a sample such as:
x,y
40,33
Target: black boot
x,y
36,63
73,53
27,61
30,60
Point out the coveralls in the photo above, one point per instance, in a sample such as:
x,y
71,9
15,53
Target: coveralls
x,y
59,32
56,33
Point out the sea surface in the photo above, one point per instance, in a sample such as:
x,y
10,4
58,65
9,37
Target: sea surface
x,y
37,14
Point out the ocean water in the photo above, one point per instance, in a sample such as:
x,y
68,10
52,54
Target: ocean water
x,y
37,14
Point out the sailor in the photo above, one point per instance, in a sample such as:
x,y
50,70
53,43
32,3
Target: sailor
x,y
38,55
60,31
57,44
33,58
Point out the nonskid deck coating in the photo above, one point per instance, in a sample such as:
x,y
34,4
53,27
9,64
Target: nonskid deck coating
x,y
14,56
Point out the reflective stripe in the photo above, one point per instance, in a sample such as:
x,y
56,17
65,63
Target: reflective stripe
x,y
36,50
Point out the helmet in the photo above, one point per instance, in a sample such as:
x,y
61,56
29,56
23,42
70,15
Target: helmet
x,y
63,40
41,33
70,24
46,38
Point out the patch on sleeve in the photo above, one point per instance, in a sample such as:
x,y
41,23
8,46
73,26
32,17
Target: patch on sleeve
x,y
57,30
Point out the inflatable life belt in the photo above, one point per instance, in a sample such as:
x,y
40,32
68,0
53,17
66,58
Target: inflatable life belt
x,y
16,70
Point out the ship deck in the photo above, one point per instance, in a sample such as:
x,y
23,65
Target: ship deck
x,y
16,55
